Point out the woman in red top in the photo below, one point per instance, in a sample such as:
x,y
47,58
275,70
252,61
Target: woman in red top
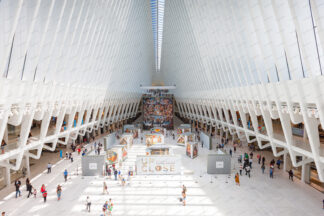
x,y
44,192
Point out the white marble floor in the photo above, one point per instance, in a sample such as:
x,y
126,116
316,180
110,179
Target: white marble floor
x,y
159,195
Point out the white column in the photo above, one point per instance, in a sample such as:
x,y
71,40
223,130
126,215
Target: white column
x,y
5,135
27,166
303,172
305,175
285,162
7,175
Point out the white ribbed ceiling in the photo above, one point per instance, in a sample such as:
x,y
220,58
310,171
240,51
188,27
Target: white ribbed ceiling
x,y
207,44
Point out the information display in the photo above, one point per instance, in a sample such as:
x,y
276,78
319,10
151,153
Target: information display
x,y
192,149
155,165
93,166
219,164
117,154
152,139
131,129
127,139
184,128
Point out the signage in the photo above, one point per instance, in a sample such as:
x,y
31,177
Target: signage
x,y
219,164
93,166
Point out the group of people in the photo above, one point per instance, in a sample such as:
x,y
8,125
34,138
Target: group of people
x,y
247,166
107,208
97,147
32,191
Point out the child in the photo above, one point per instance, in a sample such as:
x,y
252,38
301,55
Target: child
x,y
35,192
123,181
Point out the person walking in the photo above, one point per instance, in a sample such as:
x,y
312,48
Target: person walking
x,y
59,192
241,168
184,196
250,162
123,180
259,158
247,171
291,175
115,174
262,168
110,207
278,163
234,149
230,151
271,172
109,172
237,179
65,175
49,168
119,174
184,188
95,147
251,155
88,204
263,160
105,188
3,144
44,192
29,189
27,182
17,185
105,207
61,153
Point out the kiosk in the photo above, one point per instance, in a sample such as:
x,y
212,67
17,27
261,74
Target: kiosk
x,y
158,150
116,154
132,129
183,138
219,163
192,149
93,164
153,139
126,139
184,128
